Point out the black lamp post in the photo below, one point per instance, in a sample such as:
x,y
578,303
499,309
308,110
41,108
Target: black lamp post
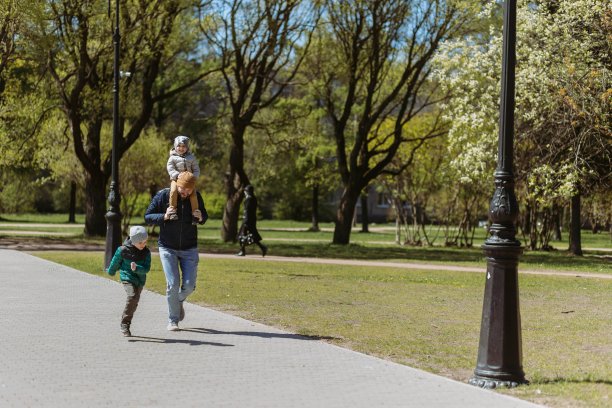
x,y
500,350
113,216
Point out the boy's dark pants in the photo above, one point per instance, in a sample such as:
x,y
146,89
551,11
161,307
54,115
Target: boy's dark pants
x,y
131,303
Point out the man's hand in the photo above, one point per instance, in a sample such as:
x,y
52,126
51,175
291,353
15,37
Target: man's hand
x,y
197,214
170,211
133,266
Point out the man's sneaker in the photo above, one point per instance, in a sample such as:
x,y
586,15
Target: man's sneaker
x,y
125,330
241,253
173,326
182,315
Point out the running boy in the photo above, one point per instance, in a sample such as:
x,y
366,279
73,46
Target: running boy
x,y
180,160
133,259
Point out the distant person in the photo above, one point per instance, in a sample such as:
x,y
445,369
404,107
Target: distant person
x,y
248,233
180,160
178,243
133,260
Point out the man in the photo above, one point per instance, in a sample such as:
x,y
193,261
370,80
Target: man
x,y
178,243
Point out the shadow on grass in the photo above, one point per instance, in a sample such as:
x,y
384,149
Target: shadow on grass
x,y
358,251
561,380
135,339
451,255
265,335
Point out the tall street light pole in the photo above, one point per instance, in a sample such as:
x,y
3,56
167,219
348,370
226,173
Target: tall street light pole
x,y
113,216
500,350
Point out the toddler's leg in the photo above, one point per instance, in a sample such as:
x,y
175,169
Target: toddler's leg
x,y
193,199
173,199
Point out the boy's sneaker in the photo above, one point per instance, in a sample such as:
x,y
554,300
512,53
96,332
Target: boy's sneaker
x,y
173,217
195,220
173,326
182,315
125,330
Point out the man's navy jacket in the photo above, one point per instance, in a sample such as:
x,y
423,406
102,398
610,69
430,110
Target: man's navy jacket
x,y
178,234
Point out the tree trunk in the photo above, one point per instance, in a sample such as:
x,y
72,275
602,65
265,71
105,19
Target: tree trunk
x,y
575,245
344,215
365,219
526,221
315,209
231,211
95,204
557,211
235,180
72,206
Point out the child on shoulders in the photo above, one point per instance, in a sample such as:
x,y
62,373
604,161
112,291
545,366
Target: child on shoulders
x,y
181,160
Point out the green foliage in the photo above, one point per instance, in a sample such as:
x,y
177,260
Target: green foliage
x,y
215,203
14,198
562,143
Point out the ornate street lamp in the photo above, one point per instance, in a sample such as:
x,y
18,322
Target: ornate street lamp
x,y
500,350
113,216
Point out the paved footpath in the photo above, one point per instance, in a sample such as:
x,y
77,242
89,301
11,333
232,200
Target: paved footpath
x,y
61,347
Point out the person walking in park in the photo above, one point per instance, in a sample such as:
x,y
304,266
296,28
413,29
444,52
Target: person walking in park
x,y
248,233
181,159
178,243
133,260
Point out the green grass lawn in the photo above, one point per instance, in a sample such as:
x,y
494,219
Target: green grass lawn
x,y
291,238
279,230
41,218
425,319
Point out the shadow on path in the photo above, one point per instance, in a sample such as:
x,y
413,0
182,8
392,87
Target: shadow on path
x,y
261,334
135,339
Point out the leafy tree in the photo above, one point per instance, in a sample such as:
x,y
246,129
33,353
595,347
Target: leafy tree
x,y
9,25
257,42
380,60
295,162
415,190
570,120
73,46
562,110
142,169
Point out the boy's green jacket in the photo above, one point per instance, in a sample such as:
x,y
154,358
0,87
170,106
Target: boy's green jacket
x,y
122,260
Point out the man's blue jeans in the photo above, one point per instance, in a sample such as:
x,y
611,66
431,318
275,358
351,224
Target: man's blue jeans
x,y
178,287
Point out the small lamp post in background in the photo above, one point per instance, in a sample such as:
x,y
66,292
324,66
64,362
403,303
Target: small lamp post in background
x,y
113,216
500,349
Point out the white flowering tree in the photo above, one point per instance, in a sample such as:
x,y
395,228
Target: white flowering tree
x,y
562,106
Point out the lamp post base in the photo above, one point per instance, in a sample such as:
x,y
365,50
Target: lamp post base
x,y
490,383
500,350
113,235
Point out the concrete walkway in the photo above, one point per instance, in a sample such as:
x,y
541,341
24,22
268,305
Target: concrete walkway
x,y
61,347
